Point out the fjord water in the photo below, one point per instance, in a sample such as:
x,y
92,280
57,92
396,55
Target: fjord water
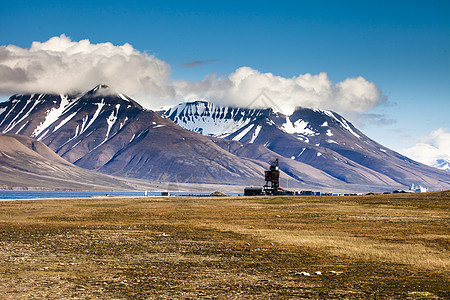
x,y
67,194
87,194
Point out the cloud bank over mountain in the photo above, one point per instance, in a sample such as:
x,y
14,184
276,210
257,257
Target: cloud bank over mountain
x,y
61,65
244,86
430,148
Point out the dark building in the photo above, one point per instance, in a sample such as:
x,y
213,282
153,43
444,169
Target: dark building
x,y
272,179
253,191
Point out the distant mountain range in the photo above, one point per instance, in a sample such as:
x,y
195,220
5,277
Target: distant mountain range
x,y
199,142
319,138
109,132
443,164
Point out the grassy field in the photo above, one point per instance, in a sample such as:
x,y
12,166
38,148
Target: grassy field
x,y
381,246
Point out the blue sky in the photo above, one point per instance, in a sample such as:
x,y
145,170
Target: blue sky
x,y
401,46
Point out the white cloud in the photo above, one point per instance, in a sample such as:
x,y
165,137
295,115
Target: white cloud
x,y
243,87
61,65
430,148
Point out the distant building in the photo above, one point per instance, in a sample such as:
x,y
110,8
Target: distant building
x,y
307,193
253,191
417,189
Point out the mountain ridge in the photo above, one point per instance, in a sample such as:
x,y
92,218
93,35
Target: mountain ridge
x,y
27,163
113,134
109,132
320,138
442,164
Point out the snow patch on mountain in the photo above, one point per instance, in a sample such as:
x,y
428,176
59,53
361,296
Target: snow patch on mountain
x,y
51,117
24,116
341,121
94,117
63,122
443,164
298,127
209,119
123,97
243,133
15,102
2,110
22,127
255,134
123,123
111,120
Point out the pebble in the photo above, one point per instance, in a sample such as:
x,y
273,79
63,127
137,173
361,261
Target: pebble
x,y
335,273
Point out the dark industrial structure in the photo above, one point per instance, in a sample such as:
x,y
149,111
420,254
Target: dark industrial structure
x,y
272,179
272,186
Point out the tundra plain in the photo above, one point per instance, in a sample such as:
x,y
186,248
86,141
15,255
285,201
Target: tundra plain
x,y
379,246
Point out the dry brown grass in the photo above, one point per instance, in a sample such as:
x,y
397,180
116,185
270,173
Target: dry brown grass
x,y
338,243
385,246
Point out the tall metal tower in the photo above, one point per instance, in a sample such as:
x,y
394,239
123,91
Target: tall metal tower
x,y
272,179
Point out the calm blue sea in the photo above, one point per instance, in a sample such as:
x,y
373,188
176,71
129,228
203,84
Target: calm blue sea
x,y
83,194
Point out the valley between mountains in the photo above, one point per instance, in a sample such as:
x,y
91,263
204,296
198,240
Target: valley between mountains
x,y
108,133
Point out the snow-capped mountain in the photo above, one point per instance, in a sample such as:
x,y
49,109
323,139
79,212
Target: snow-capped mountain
x,y
443,164
319,138
213,120
109,132
244,124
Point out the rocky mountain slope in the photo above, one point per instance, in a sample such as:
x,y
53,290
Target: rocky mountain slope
x,y
318,138
26,163
107,131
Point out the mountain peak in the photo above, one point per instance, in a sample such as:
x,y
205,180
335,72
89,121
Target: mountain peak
x,y
102,89
101,86
107,91
213,119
